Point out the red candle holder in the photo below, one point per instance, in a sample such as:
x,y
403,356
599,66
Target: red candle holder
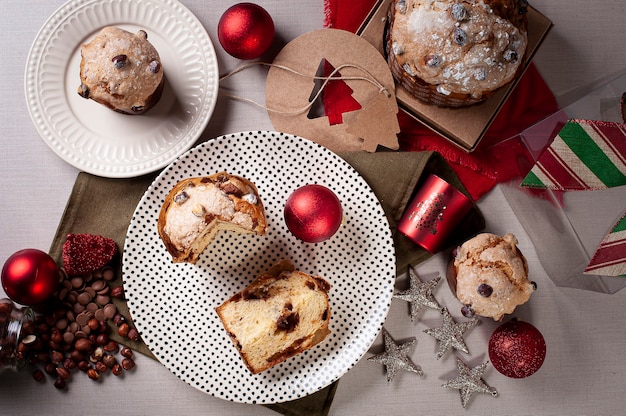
x,y
434,212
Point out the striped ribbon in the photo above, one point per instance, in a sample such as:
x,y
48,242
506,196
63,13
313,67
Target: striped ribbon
x,y
584,155
587,155
610,258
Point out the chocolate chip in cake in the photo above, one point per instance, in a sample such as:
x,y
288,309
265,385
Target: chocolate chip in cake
x,y
119,61
510,56
288,322
458,12
256,293
181,197
154,66
484,290
325,314
432,60
467,311
231,189
459,36
83,91
401,6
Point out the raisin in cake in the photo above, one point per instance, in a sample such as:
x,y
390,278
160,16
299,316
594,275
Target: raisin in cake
x,y
279,315
195,209
121,71
456,53
489,275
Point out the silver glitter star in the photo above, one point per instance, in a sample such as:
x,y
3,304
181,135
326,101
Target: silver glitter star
x,y
419,294
469,381
395,357
450,334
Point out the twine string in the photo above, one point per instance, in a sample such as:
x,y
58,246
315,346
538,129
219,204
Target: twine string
x,y
368,77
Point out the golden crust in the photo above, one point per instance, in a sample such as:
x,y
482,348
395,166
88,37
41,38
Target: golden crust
x,y
190,207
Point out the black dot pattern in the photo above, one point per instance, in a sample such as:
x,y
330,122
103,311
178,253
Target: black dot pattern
x,y
173,305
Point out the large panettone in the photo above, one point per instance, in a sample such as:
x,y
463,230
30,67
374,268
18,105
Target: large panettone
x,y
456,53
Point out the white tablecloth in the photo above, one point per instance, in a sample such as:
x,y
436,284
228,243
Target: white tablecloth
x,y
584,372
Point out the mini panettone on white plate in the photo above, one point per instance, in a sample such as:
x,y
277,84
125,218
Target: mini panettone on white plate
x,y
280,314
121,71
195,209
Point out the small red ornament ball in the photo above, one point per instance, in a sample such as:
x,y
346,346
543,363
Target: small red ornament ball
x,y
30,276
517,349
313,213
246,31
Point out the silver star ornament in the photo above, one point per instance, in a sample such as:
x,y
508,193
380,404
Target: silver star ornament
x,y
450,334
395,357
419,294
469,381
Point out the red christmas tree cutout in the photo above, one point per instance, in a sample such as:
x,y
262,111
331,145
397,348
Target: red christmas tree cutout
x,y
336,98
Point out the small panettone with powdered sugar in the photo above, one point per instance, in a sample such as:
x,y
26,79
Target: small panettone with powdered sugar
x,y
489,275
455,53
121,70
196,209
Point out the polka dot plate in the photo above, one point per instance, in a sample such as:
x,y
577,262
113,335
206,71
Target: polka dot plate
x,y
173,305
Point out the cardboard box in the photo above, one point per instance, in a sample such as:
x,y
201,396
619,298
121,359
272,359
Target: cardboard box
x,y
463,126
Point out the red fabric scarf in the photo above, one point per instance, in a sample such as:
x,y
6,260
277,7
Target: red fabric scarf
x,y
495,159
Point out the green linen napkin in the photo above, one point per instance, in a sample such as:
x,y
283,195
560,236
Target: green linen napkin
x,y
105,206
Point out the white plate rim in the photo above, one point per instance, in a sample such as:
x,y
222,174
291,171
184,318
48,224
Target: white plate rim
x,y
49,97
358,346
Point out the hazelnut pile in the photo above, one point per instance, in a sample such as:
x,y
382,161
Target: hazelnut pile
x,y
73,335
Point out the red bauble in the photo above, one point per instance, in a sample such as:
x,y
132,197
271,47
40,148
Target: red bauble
x,y
517,349
246,31
313,213
30,276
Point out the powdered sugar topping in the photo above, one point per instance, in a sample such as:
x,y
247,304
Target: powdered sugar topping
x,y
477,50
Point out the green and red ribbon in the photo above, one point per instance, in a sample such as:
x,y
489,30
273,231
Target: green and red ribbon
x,y
585,155
610,258
588,155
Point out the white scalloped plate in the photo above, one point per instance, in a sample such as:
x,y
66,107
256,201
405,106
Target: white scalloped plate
x,y
100,141
172,305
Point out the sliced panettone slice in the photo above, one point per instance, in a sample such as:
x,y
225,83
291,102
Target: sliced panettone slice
x,y
280,314
197,208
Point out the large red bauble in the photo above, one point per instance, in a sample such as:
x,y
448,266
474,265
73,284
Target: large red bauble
x,y
30,276
517,349
313,213
246,30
